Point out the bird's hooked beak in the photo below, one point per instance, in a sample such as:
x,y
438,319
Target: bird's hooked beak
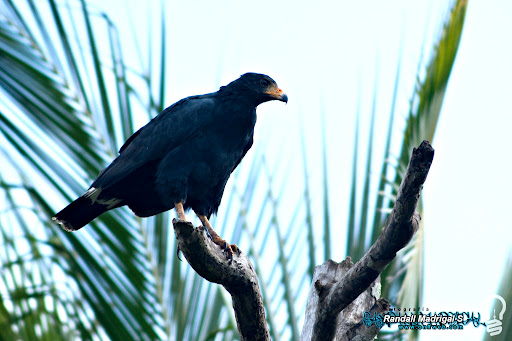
x,y
278,94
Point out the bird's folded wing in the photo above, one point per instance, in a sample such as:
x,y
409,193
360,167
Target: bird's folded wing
x,y
171,128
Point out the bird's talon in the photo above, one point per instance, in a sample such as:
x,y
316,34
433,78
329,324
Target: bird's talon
x,y
235,249
228,250
207,232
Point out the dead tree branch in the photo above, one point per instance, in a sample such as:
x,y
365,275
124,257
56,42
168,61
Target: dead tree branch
x,y
238,277
400,227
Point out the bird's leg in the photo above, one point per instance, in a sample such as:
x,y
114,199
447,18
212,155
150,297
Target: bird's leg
x,y
217,239
178,206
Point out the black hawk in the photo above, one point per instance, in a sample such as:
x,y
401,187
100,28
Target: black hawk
x,y
181,159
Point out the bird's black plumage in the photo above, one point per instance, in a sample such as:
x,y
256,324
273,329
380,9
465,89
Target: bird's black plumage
x,y
185,154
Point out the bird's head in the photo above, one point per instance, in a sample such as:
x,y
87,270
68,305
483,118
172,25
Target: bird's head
x,y
261,88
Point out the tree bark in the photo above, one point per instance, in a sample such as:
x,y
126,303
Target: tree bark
x,y
348,322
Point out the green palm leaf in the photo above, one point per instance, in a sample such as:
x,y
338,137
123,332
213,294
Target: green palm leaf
x,y
403,279
110,267
421,124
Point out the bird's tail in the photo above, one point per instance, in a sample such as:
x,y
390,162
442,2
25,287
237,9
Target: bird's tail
x,y
79,213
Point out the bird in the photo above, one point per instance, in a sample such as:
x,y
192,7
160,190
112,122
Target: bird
x,y
181,159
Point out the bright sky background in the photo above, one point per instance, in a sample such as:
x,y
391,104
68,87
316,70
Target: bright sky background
x,y
328,54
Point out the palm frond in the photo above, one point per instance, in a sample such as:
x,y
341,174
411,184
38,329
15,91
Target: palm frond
x,y
421,124
403,279
109,265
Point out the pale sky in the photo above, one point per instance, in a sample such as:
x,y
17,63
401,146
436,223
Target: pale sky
x,y
325,54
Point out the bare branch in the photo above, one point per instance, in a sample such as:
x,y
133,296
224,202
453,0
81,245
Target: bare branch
x,y
400,227
237,276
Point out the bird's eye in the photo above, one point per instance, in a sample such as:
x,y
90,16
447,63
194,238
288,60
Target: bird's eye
x,y
264,83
